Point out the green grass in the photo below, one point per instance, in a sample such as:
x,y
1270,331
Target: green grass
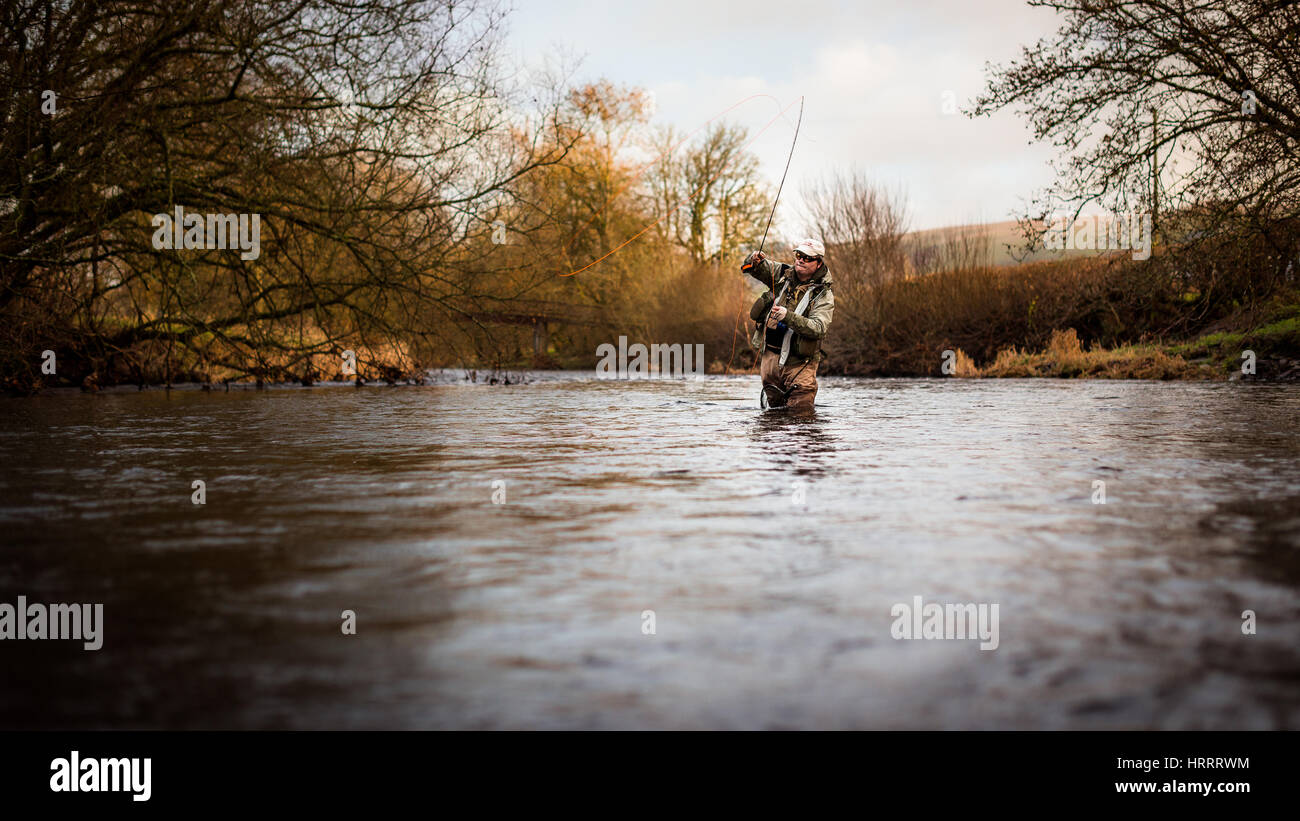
x,y
1222,350
1286,327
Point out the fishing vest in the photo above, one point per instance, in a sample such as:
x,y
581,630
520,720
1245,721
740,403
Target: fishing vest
x,y
802,347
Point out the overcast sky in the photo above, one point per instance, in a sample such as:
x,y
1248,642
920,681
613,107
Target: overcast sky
x,y
874,75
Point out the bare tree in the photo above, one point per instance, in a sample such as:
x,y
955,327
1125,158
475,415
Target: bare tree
x,y
708,197
1188,108
863,226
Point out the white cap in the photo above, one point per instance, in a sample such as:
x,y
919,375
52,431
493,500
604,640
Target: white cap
x,y
811,246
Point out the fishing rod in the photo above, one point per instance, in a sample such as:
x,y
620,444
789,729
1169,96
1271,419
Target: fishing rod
x,y
781,187
798,123
763,402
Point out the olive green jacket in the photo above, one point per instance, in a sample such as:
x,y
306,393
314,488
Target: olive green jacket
x,y
806,329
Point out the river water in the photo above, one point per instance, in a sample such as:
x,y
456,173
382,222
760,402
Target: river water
x,y
773,550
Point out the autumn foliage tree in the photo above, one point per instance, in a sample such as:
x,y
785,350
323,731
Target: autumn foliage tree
x,y
369,137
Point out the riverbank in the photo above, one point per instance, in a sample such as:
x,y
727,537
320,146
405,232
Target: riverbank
x,y
1261,344
1064,359
1219,357
1264,347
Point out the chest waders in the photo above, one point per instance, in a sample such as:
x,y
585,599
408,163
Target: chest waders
x,y
774,396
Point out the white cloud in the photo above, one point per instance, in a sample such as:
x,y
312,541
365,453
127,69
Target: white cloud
x,y
873,76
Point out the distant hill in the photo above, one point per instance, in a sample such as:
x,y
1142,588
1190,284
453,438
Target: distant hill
x,y
1001,243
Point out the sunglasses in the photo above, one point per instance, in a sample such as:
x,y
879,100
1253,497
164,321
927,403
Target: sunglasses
x,y
802,257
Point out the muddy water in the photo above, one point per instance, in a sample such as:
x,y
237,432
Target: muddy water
x,y
772,550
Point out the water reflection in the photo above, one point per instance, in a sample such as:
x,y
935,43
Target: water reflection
x,y
800,442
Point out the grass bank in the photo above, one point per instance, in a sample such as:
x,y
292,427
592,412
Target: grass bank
x,y
1262,348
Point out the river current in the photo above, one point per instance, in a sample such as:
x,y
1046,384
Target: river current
x,y
579,553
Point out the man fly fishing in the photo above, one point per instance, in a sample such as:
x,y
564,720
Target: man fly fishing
x,y
791,320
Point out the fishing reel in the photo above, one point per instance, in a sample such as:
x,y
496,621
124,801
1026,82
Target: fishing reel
x,y
760,311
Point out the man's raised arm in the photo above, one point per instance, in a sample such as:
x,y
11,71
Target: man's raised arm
x,y
760,268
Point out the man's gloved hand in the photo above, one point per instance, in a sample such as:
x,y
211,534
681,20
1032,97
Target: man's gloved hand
x,y
754,259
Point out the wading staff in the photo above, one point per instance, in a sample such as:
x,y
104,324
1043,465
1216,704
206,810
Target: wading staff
x,y
762,394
